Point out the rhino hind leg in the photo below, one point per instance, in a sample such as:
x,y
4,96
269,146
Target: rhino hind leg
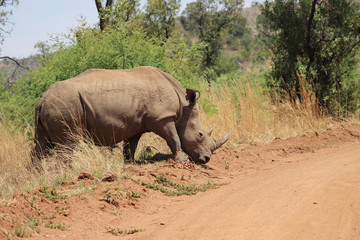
x,y
129,147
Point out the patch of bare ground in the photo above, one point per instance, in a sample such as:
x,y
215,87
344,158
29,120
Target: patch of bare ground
x,y
169,200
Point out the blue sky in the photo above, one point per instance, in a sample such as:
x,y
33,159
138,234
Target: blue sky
x,y
37,20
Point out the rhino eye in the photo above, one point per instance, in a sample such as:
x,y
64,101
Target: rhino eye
x,y
201,134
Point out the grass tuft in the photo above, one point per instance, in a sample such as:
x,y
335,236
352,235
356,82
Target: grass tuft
x,y
52,194
22,231
119,231
60,225
165,186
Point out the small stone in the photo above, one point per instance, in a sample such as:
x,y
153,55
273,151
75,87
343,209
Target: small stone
x,y
85,175
109,177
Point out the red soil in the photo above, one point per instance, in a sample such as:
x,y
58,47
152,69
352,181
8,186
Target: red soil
x,y
300,188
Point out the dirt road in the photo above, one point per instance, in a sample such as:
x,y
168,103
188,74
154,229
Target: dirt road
x,y
316,197
300,188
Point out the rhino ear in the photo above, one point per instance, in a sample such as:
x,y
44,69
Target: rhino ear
x,y
192,95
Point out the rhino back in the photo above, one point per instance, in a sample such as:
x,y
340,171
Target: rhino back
x,y
118,104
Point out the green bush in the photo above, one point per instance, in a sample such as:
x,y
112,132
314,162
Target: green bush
x,y
122,47
317,40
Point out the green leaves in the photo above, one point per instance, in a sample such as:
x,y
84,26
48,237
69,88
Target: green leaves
x,y
160,17
209,19
117,47
315,39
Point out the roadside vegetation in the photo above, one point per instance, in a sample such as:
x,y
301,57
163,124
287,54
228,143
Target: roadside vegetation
x,y
262,84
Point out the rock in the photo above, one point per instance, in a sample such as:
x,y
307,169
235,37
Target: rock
x,y
85,175
109,177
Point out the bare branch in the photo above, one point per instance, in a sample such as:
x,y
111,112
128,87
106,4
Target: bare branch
x,y
15,61
6,31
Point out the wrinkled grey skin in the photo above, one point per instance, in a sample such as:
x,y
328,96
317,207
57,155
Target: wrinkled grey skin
x,y
115,105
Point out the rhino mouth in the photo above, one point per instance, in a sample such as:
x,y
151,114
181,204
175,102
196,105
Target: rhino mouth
x,y
202,156
200,159
203,160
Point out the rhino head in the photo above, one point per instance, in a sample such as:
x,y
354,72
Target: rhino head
x,y
195,141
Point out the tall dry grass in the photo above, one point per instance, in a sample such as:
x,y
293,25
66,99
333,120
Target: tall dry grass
x,y
18,173
14,159
255,114
252,113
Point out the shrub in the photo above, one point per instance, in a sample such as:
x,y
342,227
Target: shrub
x,y
115,48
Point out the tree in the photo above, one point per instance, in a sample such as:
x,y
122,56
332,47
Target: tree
x,y
103,19
116,12
5,14
160,17
43,48
209,19
124,11
314,38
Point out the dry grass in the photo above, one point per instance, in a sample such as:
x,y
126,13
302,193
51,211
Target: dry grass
x,y
256,115
14,159
251,113
16,171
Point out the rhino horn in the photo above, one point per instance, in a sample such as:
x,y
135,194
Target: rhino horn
x,y
220,142
210,131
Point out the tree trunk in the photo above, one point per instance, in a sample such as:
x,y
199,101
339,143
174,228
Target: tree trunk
x,y
309,33
102,19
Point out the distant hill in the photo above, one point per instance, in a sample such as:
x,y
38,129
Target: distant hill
x,y
10,71
251,14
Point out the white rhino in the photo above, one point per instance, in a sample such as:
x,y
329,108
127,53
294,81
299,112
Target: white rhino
x,y
116,105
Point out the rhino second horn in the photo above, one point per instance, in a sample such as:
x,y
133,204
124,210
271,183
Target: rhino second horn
x,y
220,142
210,131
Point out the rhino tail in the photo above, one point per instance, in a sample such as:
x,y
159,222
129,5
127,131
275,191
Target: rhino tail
x,y
41,137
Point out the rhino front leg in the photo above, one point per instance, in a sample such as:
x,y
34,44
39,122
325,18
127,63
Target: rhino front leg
x,y
129,147
167,130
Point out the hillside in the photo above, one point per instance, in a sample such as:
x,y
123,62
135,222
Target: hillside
x,y
251,14
10,71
